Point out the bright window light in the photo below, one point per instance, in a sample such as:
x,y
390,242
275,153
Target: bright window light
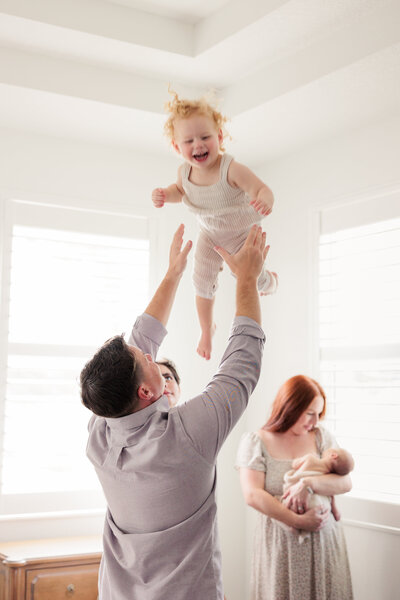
x,y
359,340
69,291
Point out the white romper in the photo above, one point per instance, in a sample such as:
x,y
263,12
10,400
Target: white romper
x,y
225,218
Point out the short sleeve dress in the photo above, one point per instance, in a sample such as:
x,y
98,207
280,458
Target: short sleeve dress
x,y
283,569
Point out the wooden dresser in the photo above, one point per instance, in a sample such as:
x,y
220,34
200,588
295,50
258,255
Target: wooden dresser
x,y
53,569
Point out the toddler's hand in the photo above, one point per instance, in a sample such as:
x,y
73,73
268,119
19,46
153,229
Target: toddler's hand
x,y
158,197
262,205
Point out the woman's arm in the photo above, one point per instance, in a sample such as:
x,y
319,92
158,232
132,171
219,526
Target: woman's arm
x,y
330,484
257,497
298,495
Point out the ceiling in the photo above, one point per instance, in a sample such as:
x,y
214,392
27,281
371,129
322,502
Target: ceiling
x,y
288,72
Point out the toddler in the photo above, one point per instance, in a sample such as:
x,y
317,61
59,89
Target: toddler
x,y
226,197
334,460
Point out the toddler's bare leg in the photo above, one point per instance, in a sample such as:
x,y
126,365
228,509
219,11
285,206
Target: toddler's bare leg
x,y
207,264
205,308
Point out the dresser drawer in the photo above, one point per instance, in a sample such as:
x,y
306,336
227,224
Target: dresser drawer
x,y
62,583
3,595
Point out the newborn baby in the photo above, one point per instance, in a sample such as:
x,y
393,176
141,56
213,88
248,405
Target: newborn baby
x,y
334,460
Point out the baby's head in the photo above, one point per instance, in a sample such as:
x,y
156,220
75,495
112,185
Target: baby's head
x,y
181,109
340,461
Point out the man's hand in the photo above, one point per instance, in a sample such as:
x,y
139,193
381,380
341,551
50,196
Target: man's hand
x,y
246,265
249,260
177,256
158,197
162,301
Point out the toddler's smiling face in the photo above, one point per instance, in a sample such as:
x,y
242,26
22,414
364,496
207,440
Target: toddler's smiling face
x,y
197,140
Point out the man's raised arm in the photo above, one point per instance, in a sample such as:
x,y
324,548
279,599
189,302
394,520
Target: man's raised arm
x,y
209,417
246,265
163,299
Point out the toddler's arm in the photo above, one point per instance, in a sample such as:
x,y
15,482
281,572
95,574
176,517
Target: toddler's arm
x,y
261,197
172,193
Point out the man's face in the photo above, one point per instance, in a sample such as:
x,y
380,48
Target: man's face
x,y
151,377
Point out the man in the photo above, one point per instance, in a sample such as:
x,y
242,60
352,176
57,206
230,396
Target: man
x,y
157,466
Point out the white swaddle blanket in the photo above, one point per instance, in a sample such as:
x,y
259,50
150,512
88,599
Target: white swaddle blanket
x,y
293,476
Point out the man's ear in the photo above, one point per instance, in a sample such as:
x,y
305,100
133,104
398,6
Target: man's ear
x,y
144,393
176,147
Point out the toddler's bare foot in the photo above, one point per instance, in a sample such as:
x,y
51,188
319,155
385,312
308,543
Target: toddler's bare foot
x,y
205,343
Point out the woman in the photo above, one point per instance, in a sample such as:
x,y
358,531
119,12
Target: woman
x,y
283,569
172,380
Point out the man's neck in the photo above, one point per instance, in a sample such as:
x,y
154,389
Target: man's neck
x,y
144,403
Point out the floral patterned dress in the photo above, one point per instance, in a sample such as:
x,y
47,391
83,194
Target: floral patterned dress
x,y
283,569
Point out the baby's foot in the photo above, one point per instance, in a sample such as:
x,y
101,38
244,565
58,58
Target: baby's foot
x,y
271,285
335,510
205,343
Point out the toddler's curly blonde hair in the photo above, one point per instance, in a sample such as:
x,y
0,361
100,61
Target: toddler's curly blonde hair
x,y
183,109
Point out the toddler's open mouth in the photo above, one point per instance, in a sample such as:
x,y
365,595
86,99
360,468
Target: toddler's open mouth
x,y
200,157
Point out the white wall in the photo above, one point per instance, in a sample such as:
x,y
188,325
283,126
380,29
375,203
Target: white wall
x,y
355,165
78,173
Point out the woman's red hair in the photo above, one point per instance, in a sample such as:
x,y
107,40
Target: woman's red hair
x,y
292,399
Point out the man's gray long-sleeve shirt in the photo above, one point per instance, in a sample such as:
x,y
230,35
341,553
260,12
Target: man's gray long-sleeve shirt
x,y
157,469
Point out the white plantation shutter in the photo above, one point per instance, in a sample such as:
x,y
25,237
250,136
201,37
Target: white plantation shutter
x,y
71,279
359,339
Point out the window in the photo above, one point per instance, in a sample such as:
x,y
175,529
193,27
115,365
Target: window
x,y
359,339
71,279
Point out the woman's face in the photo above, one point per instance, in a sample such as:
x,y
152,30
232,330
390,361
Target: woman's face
x,y
309,418
172,389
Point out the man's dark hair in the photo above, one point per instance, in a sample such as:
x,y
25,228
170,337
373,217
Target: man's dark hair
x,y
110,380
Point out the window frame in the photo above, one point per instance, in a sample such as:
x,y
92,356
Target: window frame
x,y
357,512
16,521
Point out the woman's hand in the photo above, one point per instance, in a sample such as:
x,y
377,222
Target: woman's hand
x,y
296,498
314,519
